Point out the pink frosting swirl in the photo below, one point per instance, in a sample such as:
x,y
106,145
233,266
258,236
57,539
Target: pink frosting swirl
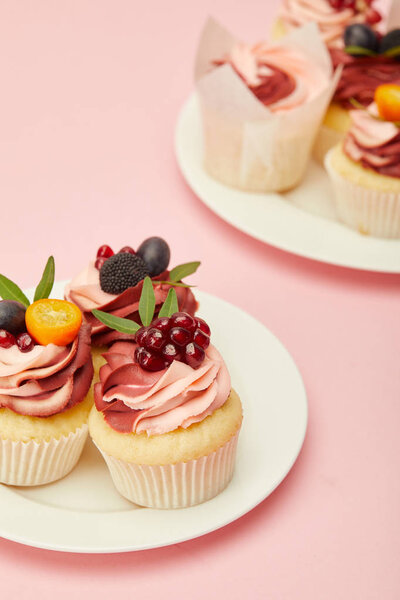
x,y
331,22
279,76
85,291
48,379
373,143
134,400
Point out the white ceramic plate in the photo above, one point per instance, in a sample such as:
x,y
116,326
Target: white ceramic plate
x,y
84,513
302,221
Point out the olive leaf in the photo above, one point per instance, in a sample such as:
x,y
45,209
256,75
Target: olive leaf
x,y
10,291
184,270
46,283
170,305
117,323
147,302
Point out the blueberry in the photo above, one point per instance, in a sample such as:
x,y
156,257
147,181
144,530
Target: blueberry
x,y
12,316
362,36
155,253
390,40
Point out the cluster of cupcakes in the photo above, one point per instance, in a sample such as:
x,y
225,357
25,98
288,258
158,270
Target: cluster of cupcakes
x,y
267,108
160,407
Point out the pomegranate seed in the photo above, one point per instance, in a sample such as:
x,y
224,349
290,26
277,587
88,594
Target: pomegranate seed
x,y
6,339
349,4
149,361
162,323
24,342
202,325
180,336
127,249
155,339
104,252
194,355
140,336
170,353
336,4
100,262
182,319
372,16
201,339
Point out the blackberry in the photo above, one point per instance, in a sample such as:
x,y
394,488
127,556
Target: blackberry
x,y
121,272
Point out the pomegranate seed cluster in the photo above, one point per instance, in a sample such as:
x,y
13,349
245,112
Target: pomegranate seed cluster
x,y
372,16
23,340
179,337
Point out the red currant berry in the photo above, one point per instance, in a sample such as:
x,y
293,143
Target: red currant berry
x,y
170,353
100,262
140,335
372,16
182,319
336,4
127,249
149,361
104,252
349,4
6,339
194,355
24,342
162,323
202,325
154,339
180,336
201,339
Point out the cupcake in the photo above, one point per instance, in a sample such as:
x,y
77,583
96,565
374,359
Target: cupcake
x,y
261,106
365,168
113,283
331,16
367,62
45,386
166,419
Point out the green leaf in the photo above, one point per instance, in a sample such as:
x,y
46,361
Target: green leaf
x,y
357,104
170,305
117,323
359,51
392,51
147,302
45,285
174,283
184,270
10,291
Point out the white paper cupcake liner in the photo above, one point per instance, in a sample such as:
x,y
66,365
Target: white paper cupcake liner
x,y
37,463
174,486
369,211
326,139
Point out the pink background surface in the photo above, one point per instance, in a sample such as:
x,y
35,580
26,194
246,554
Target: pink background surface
x,y
90,95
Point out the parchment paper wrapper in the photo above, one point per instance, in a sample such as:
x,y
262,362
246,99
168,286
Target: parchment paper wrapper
x,y
245,144
369,211
393,19
36,463
175,486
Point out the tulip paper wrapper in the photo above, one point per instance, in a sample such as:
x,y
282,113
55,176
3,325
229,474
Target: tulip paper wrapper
x,y
245,144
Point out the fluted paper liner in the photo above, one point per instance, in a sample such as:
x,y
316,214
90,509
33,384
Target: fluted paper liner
x,y
245,144
37,463
369,211
178,485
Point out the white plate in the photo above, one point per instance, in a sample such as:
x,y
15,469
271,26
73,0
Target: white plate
x,y
84,513
301,221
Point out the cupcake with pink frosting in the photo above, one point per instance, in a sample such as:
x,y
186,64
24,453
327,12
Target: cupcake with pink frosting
x,y
261,106
166,419
365,168
45,385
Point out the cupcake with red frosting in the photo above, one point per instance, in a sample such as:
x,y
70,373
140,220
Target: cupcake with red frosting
x,y
113,284
45,385
166,419
365,168
261,106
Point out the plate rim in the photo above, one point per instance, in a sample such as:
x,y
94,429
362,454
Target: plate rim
x,y
248,230
301,401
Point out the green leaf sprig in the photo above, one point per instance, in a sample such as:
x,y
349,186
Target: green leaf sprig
x,y
361,51
147,304
11,291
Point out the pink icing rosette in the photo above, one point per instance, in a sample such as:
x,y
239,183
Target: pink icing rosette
x,y
134,400
84,290
47,380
